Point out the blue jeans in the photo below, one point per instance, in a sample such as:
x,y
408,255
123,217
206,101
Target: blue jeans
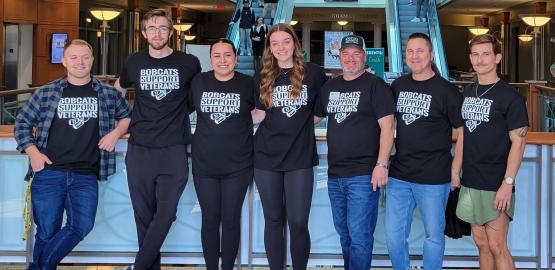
x,y
52,192
245,46
401,199
354,208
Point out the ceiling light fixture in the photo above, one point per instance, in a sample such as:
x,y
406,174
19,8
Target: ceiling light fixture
x,y
478,30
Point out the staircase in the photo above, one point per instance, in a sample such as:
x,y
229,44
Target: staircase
x,y
245,62
407,12
284,11
400,13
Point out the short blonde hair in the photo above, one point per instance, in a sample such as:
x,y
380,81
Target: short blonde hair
x,y
78,42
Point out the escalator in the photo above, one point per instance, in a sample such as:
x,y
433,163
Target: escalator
x,y
401,23
284,12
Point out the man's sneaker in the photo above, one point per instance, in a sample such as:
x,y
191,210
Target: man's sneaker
x,y
411,2
129,267
415,19
423,19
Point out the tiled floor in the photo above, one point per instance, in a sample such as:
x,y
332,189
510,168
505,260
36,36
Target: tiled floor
x,y
103,267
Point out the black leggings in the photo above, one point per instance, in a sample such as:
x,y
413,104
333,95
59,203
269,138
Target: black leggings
x,y
221,200
286,196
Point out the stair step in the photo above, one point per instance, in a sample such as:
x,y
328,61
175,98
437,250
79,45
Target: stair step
x,y
249,72
245,65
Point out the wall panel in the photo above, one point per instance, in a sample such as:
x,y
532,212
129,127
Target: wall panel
x,y
1,50
1,10
20,11
58,12
44,71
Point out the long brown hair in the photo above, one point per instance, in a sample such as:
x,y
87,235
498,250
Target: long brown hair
x,y
270,69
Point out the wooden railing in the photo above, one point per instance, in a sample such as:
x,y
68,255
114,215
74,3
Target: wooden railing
x,y
533,93
4,94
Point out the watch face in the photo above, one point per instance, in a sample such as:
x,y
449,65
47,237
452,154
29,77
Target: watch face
x,y
509,180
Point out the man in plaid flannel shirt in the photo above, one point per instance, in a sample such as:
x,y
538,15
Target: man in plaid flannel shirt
x,y
74,118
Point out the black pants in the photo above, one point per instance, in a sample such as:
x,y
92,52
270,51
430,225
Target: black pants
x,y
156,179
286,196
221,200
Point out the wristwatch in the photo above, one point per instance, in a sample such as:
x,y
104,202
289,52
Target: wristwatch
x,y
382,165
509,180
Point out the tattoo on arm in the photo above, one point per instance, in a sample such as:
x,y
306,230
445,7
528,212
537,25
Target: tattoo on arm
x,y
521,132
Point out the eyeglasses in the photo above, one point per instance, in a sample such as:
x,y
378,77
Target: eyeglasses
x,y
154,29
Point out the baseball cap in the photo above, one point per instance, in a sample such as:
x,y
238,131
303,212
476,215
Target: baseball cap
x,y
354,41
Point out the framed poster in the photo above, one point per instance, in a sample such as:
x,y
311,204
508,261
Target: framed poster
x,y
332,43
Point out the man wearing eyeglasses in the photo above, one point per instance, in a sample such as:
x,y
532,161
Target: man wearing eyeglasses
x,y
156,160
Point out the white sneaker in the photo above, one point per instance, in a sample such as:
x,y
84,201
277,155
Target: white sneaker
x,y
129,267
415,19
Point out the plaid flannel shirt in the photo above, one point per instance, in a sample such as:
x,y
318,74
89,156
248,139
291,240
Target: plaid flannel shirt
x,y
40,110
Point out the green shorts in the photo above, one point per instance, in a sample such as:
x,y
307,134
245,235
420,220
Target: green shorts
x,y
476,206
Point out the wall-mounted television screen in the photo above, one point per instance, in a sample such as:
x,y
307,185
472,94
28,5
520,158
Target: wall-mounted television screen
x,y
57,47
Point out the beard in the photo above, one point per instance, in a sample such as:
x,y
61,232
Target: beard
x,y
354,70
159,46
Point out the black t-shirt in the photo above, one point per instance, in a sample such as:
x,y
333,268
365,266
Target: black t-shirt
x,y
160,114
426,113
488,120
74,134
285,140
353,134
222,143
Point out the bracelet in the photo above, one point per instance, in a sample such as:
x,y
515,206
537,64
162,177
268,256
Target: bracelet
x,y
382,165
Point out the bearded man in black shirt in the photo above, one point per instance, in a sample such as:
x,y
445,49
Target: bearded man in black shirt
x,y
156,160
360,136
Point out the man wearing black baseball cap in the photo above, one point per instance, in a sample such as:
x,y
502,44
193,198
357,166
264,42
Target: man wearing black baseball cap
x,y
360,111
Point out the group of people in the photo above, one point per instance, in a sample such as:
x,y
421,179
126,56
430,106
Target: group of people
x,y
252,32
76,133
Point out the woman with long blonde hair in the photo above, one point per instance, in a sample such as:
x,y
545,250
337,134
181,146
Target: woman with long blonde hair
x,y
284,145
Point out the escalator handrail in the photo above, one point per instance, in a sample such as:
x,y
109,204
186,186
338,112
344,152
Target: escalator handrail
x,y
436,38
233,30
394,37
284,11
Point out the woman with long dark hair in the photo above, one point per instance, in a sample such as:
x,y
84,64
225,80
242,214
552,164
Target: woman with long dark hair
x,y
222,152
284,144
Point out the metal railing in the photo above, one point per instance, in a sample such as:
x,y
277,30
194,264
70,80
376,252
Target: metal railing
x,y
9,109
437,41
393,37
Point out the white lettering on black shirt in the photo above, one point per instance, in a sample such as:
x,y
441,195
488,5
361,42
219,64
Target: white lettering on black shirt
x,y
475,111
282,98
78,110
342,104
413,105
220,105
159,81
